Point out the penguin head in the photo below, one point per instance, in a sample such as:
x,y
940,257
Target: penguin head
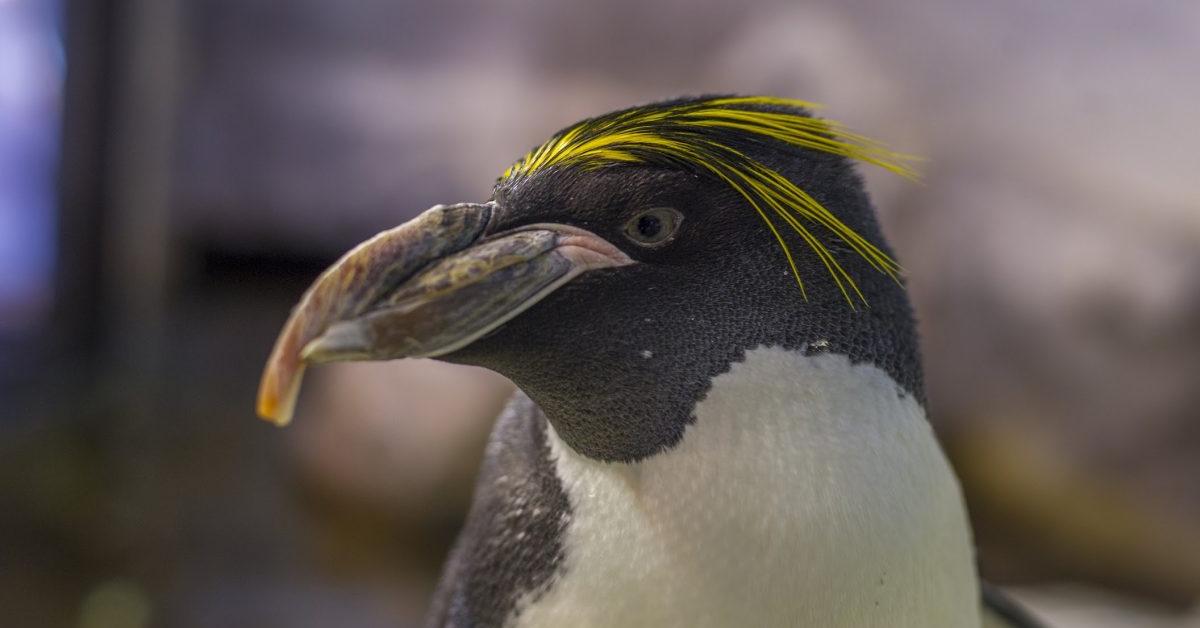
x,y
622,265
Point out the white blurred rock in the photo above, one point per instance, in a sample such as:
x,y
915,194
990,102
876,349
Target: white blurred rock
x,y
405,436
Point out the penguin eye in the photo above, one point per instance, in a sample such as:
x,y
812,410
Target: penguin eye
x,y
654,227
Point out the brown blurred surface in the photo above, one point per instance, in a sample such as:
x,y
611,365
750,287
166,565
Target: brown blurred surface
x,y
1053,252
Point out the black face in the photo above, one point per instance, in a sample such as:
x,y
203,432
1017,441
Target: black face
x,y
618,357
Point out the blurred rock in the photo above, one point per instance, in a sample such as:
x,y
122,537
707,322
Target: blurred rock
x,y
406,436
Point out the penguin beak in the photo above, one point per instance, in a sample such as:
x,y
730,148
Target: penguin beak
x,y
426,288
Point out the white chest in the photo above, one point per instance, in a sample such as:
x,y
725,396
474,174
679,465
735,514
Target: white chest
x,y
807,493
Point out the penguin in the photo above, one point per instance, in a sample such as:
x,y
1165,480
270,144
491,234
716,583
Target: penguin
x,y
721,416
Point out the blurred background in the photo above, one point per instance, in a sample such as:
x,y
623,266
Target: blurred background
x,y
173,173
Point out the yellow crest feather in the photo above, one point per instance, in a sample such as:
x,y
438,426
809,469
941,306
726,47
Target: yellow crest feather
x,y
690,133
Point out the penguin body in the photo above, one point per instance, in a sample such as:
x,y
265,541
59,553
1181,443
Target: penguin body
x,y
760,515
721,419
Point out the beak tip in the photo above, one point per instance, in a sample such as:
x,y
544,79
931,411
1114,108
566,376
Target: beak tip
x,y
268,410
277,396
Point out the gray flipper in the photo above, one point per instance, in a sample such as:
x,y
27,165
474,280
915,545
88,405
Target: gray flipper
x,y
1000,611
511,544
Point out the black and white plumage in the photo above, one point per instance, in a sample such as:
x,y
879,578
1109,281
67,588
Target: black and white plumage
x,y
699,440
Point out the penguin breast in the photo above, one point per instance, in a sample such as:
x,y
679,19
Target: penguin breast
x,y
809,491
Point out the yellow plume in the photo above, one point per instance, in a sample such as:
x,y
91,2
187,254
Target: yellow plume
x,y
695,134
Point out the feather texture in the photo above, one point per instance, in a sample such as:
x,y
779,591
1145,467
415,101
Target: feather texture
x,y
707,135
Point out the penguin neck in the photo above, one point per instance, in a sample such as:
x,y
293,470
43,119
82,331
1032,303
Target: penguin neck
x,y
624,388
807,487
784,414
